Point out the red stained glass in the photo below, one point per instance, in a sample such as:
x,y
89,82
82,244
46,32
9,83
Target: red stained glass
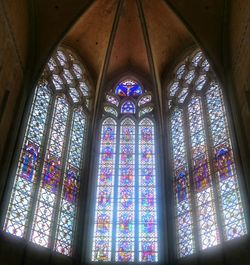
x,y
104,197
124,251
201,174
223,161
71,185
148,251
52,175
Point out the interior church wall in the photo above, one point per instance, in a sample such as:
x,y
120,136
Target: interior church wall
x,y
239,56
16,38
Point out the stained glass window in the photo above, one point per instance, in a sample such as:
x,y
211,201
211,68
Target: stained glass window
x,y
128,88
205,175
128,107
125,220
44,197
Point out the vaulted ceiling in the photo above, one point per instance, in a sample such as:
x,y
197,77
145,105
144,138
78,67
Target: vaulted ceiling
x,y
142,36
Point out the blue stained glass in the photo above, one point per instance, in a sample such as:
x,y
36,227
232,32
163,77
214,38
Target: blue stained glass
x,y
125,253
181,185
29,161
128,88
125,223
102,243
125,193
148,245
128,107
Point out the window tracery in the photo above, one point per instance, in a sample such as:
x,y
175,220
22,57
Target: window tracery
x,y
43,202
208,204
126,227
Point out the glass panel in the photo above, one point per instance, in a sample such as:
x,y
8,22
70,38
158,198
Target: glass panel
x,y
71,183
84,88
230,200
61,58
184,220
111,110
74,94
112,100
148,232
145,110
126,193
52,167
52,64
128,107
68,76
144,100
189,76
180,71
102,238
57,81
207,223
197,58
205,65
200,82
29,161
173,88
77,70
183,94
128,88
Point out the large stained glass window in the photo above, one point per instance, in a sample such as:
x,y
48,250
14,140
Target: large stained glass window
x,y
125,220
44,197
208,204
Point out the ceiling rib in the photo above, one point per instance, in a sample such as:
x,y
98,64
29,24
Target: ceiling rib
x,y
152,65
103,72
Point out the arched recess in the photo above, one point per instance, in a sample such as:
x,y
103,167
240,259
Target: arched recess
x,y
126,205
46,175
206,172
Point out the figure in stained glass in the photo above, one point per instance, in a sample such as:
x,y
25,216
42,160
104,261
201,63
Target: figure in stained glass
x,y
101,251
127,134
107,154
126,197
147,174
124,251
126,175
146,134
146,154
147,198
128,88
201,174
148,223
104,197
127,154
108,134
148,251
181,184
125,223
106,176
52,174
71,185
223,161
103,223
30,155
